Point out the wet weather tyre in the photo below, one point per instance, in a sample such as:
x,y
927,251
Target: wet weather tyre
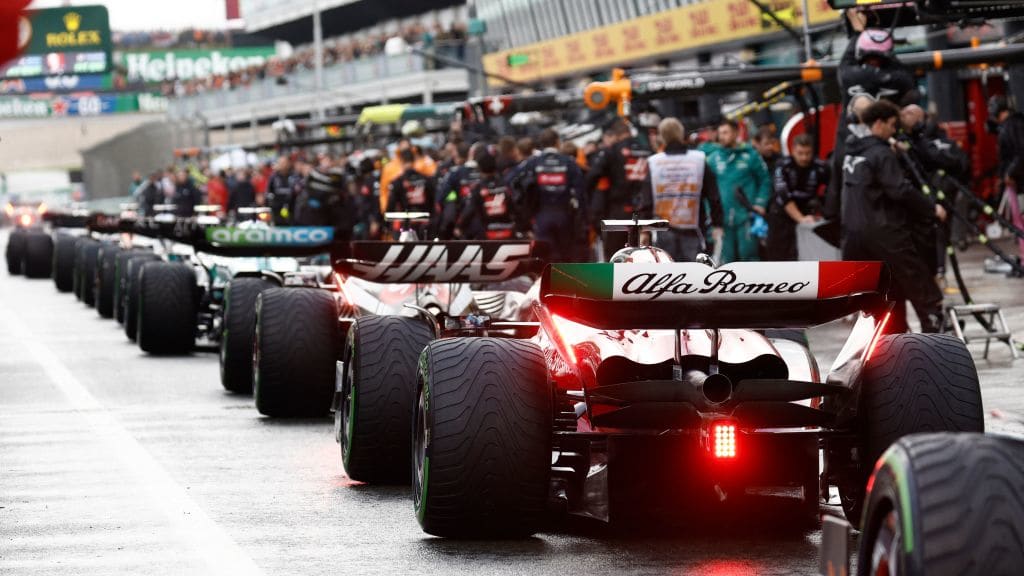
x,y
15,251
295,352
106,262
482,438
121,280
79,262
87,272
64,263
914,383
131,296
167,308
946,504
237,338
38,254
379,397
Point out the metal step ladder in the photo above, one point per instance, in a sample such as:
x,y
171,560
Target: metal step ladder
x,y
998,330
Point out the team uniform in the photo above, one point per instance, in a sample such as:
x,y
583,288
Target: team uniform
x,y
801,185
451,195
282,190
678,187
487,212
615,185
879,205
411,192
744,182
548,193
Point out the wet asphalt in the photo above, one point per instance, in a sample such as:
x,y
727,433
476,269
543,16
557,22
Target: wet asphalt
x,y
115,462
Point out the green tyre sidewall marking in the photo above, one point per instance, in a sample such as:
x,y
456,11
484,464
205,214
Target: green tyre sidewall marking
x,y
421,503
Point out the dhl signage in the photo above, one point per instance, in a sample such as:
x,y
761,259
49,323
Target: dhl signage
x,y
693,26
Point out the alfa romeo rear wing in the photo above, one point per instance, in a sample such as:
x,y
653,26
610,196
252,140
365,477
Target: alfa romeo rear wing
x,y
693,296
459,261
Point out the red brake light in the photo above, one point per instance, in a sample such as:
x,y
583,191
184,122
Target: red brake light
x,y
724,440
26,219
562,343
878,336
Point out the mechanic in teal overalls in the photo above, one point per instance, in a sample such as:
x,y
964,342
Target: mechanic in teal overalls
x,y
744,185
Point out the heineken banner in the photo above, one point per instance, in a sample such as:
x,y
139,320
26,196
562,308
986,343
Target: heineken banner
x,y
50,105
188,64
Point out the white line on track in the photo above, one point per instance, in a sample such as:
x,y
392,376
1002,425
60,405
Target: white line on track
x,y
191,525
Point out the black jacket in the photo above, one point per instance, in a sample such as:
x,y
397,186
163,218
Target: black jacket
x,y
794,183
878,200
625,167
1011,147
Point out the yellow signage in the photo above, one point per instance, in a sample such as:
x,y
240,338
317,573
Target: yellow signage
x,y
693,26
72,37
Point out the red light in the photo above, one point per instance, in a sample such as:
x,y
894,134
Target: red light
x,y
550,324
724,438
25,219
562,343
264,216
878,336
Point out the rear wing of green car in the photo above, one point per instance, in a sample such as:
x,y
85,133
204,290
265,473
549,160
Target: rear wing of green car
x,y
683,295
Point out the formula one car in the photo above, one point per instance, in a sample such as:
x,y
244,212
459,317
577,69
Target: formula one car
x,y
196,289
386,301
29,247
667,381
938,504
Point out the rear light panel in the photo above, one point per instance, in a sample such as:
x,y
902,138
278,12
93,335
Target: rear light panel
x,y
723,441
720,439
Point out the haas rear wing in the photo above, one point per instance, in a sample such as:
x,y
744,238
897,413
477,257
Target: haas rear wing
x,y
693,295
462,261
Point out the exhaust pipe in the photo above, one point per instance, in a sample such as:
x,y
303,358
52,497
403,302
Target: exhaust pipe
x,y
716,388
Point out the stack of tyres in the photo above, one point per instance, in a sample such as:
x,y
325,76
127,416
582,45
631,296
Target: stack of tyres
x,y
64,262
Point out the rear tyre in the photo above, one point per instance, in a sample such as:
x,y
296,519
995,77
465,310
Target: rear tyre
x,y
167,308
64,263
106,262
236,341
15,251
79,263
121,280
131,304
38,254
87,272
295,352
482,438
379,397
946,504
914,383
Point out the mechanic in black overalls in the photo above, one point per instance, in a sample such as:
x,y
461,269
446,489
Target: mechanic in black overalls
x,y
548,195
879,203
624,164
282,189
452,191
411,192
868,67
487,212
364,190
797,182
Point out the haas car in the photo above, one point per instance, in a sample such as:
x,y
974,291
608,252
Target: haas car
x,y
653,386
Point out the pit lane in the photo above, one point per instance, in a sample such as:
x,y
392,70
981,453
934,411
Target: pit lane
x,y
115,462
